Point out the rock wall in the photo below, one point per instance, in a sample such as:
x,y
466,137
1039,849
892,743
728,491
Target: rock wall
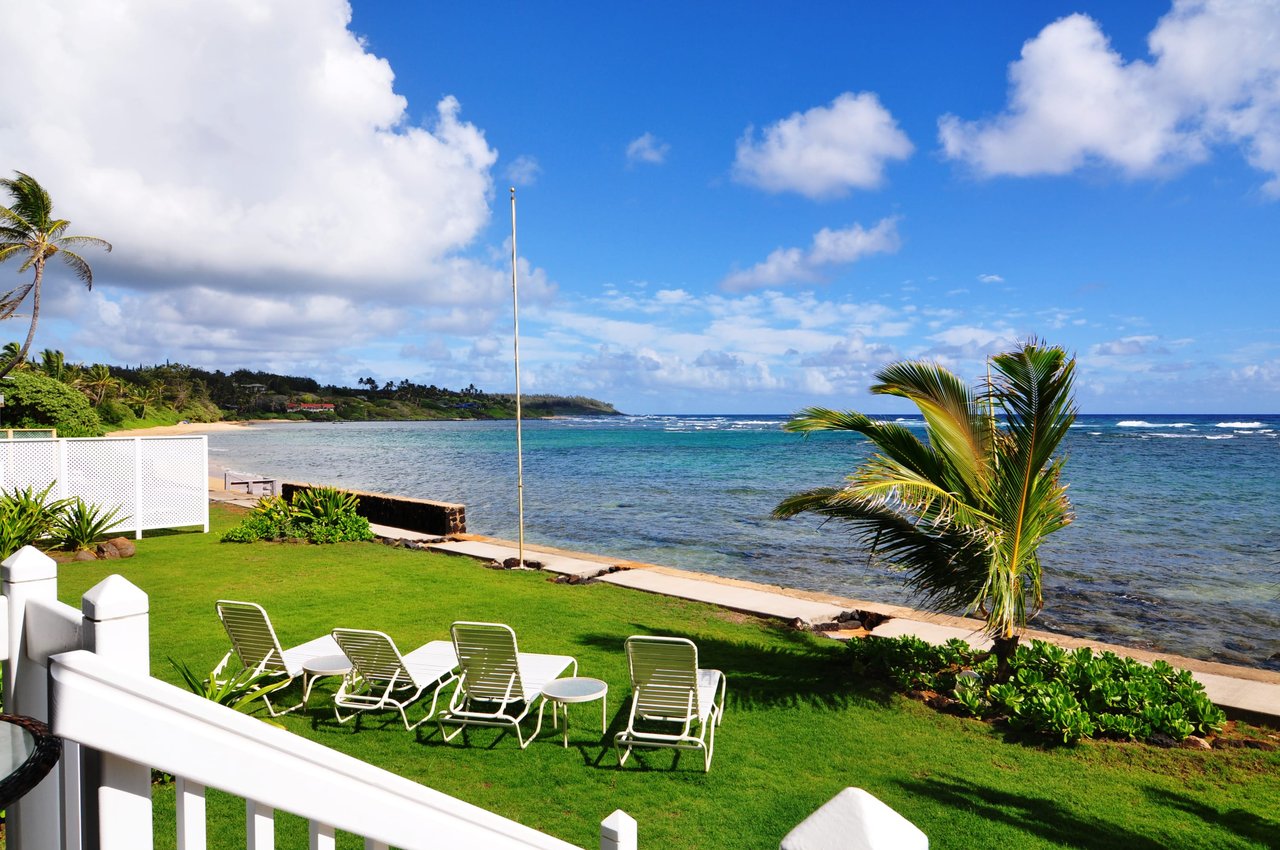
x,y
422,515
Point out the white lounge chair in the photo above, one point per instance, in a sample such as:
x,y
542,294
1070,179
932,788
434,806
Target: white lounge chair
x,y
255,645
496,678
668,687
383,678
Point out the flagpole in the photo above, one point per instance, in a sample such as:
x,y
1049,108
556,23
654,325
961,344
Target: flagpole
x,y
515,311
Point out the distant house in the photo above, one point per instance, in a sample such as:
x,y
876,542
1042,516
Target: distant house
x,y
307,407
255,389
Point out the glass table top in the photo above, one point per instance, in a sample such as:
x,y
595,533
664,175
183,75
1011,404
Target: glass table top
x,y
28,751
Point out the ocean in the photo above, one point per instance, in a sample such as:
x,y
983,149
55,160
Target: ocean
x,y
1175,546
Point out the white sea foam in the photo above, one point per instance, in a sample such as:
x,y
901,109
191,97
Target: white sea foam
x,y
1219,436
1135,423
1239,425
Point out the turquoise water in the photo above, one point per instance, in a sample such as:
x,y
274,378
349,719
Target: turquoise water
x,y
1175,547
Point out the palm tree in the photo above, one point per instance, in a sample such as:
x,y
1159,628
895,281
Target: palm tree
x,y
97,383
144,397
29,230
964,513
54,364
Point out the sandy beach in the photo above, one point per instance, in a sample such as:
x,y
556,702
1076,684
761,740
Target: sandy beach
x,y
186,428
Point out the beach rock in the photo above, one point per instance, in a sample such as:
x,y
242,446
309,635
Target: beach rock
x,y
1160,739
107,552
514,563
1194,742
797,623
845,616
124,546
84,555
827,627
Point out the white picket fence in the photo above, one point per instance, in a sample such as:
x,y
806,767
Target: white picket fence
x,y
86,673
157,482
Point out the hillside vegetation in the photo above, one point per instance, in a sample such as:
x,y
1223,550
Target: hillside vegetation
x,y
82,400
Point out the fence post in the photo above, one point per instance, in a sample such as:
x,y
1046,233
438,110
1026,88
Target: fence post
x,y
619,832
116,628
137,488
28,575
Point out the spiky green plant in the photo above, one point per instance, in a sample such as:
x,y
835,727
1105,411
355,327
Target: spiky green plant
x,y
236,691
82,523
26,515
964,511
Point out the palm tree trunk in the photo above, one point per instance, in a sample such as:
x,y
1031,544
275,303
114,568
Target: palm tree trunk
x,y
1004,648
35,317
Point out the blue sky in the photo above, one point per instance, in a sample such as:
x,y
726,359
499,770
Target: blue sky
x,y
722,207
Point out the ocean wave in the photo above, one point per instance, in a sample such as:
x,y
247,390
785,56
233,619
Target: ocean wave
x,y
1135,423
1239,425
1219,436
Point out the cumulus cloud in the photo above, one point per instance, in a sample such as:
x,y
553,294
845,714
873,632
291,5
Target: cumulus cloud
x,y
830,248
990,278
647,149
824,152
1074,101
249,146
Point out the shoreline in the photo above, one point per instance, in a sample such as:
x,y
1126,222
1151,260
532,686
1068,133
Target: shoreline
x,y
183,429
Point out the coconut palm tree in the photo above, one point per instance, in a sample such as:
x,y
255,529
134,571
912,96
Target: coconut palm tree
x,y
965,511
29,230
97,383
54,364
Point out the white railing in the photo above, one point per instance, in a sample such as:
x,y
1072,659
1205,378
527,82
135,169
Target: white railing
x,y
157,482
86,673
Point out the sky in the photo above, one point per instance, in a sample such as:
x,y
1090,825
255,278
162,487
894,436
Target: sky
x,y
721,208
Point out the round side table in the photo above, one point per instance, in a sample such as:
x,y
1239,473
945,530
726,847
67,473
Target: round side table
x,y
561,692
322,665
28,751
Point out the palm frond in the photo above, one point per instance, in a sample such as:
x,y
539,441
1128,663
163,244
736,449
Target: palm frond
x,y
956,427
79,266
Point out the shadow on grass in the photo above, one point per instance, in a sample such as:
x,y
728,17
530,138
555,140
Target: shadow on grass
x,y
1042,817
1235,821
759,676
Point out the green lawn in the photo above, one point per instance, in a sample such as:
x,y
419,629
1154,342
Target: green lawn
x,y
799,726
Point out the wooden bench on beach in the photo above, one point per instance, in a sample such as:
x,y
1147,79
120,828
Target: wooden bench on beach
x,y
254,485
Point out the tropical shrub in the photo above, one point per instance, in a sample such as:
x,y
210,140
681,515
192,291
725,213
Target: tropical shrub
x,y
235,691
113,412
82,523
318,514
34,400
27,515
1051,693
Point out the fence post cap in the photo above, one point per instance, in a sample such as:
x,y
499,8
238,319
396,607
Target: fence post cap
x,y
28,564
618,827
113,598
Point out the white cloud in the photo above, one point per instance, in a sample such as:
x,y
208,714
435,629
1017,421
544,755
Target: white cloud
x,y
830,248
990,278
824,152
1074,101
1128,346
249,146
647,149
523,170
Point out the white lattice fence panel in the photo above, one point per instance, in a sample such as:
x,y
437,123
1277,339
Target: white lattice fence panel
x,y
175,482
29,463
101,472
157,482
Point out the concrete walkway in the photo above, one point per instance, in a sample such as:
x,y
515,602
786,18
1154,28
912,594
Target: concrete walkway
x,y
1247,690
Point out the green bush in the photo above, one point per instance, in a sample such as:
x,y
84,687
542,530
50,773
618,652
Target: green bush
x,y
1052,693
113,412
26,515
34,400
318,514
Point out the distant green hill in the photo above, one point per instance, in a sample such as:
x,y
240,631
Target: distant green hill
x,y
124,397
